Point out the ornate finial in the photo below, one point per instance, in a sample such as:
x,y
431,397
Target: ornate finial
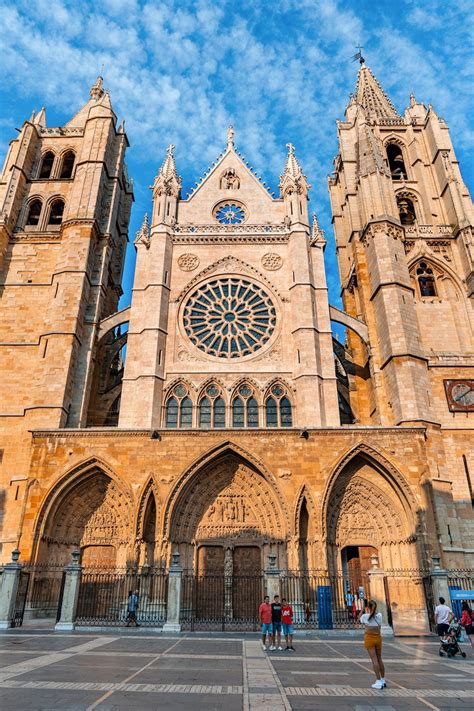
x,y
230,137
291,149
412,99
170,149
358,55
143,234
317,234
97,90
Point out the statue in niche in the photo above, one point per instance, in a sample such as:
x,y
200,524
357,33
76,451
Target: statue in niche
x,y
230,180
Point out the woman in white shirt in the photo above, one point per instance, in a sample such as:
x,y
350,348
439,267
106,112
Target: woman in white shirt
x,y
372,622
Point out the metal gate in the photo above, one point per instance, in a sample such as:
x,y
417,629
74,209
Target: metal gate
x,y
429,600
221,602
21,596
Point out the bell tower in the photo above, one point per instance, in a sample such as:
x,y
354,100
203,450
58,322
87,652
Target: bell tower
x,y
403,224
65,202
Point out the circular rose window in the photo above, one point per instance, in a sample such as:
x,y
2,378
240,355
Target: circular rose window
x,y
229,317
229,213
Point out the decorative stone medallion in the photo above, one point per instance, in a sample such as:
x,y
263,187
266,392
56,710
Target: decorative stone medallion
x,y
188,262
272,261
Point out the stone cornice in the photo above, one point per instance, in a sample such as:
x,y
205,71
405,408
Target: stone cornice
x,y
345,430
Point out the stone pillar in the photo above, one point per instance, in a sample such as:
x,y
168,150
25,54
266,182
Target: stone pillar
x,y
377,593
72,582
8,590
272,578
173,610
439,579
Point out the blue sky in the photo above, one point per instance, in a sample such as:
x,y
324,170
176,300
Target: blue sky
x,y
181,72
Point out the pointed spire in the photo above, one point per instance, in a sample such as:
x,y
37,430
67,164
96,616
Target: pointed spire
x,y
121,128
143,234
293,177
317,234
97,89
168,180
32,117
370,95
230,137
40,118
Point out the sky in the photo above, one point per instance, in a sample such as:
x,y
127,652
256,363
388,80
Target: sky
x,y
278,71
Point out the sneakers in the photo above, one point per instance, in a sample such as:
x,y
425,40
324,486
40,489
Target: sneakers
x,y
264,648
379,684
383,682
291,649
272,648
280,649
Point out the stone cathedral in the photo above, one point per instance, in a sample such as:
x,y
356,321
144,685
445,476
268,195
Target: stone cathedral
x,y
216,416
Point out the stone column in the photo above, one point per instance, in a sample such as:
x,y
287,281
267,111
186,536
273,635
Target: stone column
x,y
8,590
272,578
73,573
377,593
439,579
173,610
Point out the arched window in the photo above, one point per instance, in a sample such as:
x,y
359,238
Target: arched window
x,y
56,212
172,408
238,413
406,210
212,408
426,280
68,165
244,407
34,212
396,162
46,166
179,408
278,410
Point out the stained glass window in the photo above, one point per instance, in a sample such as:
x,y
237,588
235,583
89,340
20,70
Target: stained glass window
x,y
272,414
230,213
237,413
285,412
229,317
172,413
186,414
219,412
252,412
205,412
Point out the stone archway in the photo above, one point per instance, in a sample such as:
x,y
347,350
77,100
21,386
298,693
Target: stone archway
x,y
227,515
90,513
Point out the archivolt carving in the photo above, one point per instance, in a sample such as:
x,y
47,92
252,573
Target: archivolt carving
x,y
226,500
253,471
94,511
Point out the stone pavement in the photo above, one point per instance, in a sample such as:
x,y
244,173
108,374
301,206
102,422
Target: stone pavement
x,y
140,670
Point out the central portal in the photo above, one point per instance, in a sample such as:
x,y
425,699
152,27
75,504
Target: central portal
x,y
226,520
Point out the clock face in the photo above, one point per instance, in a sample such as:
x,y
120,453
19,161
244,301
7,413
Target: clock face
x,y
460,395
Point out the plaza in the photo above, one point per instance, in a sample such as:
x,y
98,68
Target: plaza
x,y
126,669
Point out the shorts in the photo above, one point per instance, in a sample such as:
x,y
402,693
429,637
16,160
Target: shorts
x,y
373,641
287,629
276,627
442,628
267,628
469,629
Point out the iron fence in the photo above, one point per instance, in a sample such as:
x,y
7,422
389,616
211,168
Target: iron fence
x,y
220,602
39,593
103,597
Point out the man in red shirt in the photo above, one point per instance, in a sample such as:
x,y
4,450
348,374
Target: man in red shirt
x,y
265,614
287,624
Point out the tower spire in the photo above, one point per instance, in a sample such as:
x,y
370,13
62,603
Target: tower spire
x,y
168,181
370,95
97,89
317,234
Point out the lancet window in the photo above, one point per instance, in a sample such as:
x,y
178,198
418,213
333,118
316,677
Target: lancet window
x,y
211,408
34,212
56,212
46,167
245,407
396,162
278,410
67,165
179,408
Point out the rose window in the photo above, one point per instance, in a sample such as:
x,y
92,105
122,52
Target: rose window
x,y
229,213
229,317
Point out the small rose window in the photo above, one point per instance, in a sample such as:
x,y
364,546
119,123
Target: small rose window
x,y
230,213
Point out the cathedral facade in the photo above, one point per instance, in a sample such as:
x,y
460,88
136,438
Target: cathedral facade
x,y
216,416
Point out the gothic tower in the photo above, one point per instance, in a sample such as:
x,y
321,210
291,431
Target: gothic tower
x,y
65,204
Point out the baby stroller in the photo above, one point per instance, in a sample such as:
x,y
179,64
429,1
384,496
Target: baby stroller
x,y
449,644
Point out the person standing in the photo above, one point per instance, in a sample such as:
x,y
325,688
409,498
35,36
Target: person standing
x,y
276,624
467,623
287,624
372,621
443,616
132,606
265,615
